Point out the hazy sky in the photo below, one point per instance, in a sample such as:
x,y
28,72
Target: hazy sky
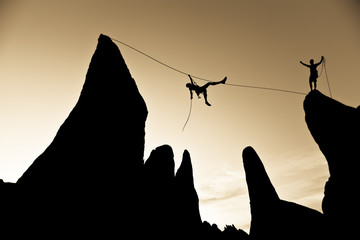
x,y
46,47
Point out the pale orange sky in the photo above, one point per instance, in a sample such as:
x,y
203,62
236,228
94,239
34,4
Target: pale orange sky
x,y
46,47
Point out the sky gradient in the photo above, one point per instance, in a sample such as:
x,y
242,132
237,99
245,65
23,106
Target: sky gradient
x,y
46,48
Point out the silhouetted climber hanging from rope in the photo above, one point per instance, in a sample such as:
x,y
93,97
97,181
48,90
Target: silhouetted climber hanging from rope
x,y
201,90
313,72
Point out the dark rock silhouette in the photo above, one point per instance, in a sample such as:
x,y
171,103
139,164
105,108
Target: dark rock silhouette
x,y
92,181
336,129
97,151
230,232
271,217
186,198
170,197
158,190
104,129
160,166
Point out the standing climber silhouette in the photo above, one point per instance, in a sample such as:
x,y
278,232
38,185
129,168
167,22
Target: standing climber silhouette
x,y
313,72
198,90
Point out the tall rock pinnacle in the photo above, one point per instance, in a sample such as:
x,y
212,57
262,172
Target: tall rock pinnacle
x,y
186,199
271,217
261,190
104,131
91,173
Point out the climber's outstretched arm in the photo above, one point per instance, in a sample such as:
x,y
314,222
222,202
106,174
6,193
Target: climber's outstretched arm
x,y
304,64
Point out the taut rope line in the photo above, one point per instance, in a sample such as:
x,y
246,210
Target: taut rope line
x,y
204,79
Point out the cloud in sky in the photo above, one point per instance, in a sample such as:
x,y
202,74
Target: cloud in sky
x,y
226,199
224,186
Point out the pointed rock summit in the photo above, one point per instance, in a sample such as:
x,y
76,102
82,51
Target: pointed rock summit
x,y
261,190
271,217
93,168
171,200
186,198
185,172
103,133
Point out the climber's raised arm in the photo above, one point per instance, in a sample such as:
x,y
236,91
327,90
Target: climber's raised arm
x,y
192,82
322,59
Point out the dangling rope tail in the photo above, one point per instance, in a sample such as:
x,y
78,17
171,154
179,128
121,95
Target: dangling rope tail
x,y
188,115
323,67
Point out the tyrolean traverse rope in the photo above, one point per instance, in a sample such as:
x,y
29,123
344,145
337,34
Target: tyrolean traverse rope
x,y
204,79
229,84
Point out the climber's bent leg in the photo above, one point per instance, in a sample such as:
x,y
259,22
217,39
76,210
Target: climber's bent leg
x,y
205,97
